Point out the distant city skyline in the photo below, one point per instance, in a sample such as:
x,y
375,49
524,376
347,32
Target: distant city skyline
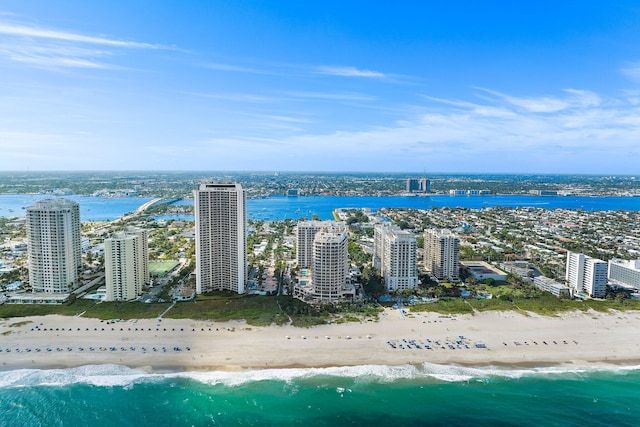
x,y
464,87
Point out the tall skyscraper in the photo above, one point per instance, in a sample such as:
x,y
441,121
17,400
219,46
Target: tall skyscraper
x,y
395,256
442,254
418,185
53,242
586,274
306,232
330,263
126,264
425,185
221,240
412,185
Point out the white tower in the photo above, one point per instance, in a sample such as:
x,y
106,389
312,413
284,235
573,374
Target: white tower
x,y
221,241
53,241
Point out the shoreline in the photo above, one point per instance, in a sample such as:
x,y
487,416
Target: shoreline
x,y
510,340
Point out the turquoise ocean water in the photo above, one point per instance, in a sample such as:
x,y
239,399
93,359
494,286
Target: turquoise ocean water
x,y
359,396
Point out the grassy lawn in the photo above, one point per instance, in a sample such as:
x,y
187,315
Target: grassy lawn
x,y
160,268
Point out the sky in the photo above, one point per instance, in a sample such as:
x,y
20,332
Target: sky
x,y
363,86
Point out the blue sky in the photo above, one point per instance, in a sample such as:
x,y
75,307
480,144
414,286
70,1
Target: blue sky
x,y
456,86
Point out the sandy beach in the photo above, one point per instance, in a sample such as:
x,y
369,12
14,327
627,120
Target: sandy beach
x,y
492,338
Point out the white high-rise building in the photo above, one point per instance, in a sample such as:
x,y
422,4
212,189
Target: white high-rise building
x,y
330,263
442,254
221,240
625,272
575,271
395,257
53,242
306,232
126,264
586,274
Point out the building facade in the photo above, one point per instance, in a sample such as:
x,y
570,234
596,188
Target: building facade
x,y
54,247
305,234
624,272
126,264
442,254
547,284
330,263
395,253
324,275
586,274
418,185
221,241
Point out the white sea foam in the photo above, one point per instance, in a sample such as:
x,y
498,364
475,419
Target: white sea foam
x,y
122,376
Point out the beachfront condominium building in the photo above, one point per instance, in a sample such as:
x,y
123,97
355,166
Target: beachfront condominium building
x,y
306,232
221,241
394,255
53,245
330,263
586,274
442,254
626,273
126,264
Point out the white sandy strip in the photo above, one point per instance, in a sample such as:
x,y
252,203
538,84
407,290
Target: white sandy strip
x,y
580,339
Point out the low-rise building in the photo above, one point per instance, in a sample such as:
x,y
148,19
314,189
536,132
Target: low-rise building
x,y
550,285
481,270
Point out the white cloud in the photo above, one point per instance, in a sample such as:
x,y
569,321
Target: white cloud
x,y
550,104
32,32
56,50
349,72
586,136
339,96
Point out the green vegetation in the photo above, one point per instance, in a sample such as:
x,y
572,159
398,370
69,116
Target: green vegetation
x,y
356,216
546,305
160,268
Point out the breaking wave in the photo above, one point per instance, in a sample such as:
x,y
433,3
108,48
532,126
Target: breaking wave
x,y
122,376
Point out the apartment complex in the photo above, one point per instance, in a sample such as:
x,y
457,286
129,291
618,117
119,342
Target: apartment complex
x,y
221,241
53,245
394,255
306,233
442,254
327,243
547,284
586,274
126,264
625,272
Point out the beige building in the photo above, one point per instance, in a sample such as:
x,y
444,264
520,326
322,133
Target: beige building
x,y
306,233
221,241
442,254
126,264
394,255
53,245
327,280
